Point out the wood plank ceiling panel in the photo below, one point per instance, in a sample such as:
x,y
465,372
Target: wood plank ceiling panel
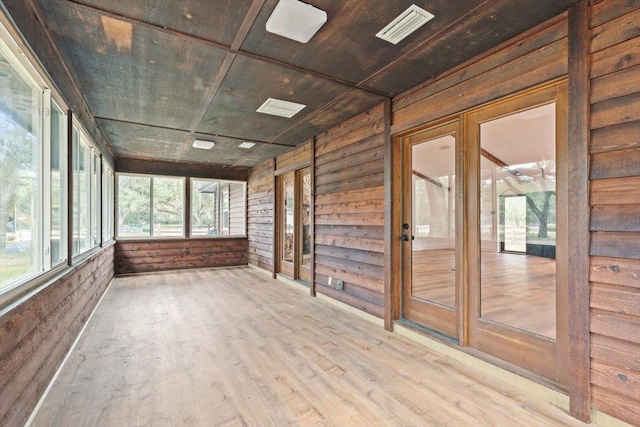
x,y
248,84
217,21
480,30
133,73
145,142
346,45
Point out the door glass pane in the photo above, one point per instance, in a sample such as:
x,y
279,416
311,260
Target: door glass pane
x,y
433,220
288,226
306,218
518,220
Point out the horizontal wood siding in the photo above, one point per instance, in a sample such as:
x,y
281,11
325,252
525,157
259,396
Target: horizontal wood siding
x,y
260,205
142,256
36,334
237,210
349,212
537,56
294,159
615,208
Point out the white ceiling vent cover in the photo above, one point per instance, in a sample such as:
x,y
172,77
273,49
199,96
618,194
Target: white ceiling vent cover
x,y
405,24
278,107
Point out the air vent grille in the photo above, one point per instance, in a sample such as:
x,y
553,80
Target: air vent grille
x,y
278,107
247,144
405,24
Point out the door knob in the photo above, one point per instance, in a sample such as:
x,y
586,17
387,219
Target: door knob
x,y
405,237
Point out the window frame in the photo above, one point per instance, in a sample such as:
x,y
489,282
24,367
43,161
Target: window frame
x,y
224,185
151,205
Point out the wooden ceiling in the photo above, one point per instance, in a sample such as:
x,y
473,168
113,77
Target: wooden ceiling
x,y
158,74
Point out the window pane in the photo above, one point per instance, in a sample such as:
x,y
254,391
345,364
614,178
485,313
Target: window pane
x,y
107,203
289,209
134,206
204,207
58,190
20,174
518,226
168,207
81,195
95,201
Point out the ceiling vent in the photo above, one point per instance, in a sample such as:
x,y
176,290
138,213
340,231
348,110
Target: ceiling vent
x,y
405,24
278,107
247,144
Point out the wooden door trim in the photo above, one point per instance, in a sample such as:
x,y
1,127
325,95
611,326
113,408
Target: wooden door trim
x,y
312,220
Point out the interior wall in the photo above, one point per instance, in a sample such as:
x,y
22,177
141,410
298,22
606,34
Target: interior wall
x,y
349,212
37,333
143,256
615,208
260,213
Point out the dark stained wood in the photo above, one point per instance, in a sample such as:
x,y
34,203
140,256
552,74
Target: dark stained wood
x,y
609,87
275,247
615,31
151,255
578,201
616,58
312,215
201,170
391,217
70,175
605,11
615,111
615,191
617,137
615,271
37,333
615,244
260,207
615,218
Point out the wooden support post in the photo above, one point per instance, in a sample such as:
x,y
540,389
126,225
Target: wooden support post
x,y
312,220
187,207
276,251
391,214
578,200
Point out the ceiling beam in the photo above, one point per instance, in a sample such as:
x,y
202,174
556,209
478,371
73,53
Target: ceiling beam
x,y
431,180
241,35
107,119
487,155
228,49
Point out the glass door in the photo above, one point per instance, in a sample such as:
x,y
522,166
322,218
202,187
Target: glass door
x,y
431,259
517,224
295,224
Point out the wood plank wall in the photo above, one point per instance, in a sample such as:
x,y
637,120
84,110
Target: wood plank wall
x,y
260,208
143,256
294,159
536,56
37,333
349,212
615,208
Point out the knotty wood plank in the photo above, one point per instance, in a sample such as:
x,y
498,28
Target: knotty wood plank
x,y
616,299
618,137
615,244
371,193
616,405
615,352
615,218
356,183
615,85
347,161
615,31
616,271
363,256
615,191
611,9
615,325
615,111
619,380
357,122
361,243
615,164
615,58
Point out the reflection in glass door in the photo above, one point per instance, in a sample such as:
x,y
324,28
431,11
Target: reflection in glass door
x,y
304,215
287,227
515,280
429,229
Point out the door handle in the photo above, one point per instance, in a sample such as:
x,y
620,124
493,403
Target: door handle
x,y
405,237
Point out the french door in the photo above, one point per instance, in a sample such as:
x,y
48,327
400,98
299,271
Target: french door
x,y
484,221
294,240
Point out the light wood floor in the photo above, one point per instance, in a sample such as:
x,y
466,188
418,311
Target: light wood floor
x,y
231,347
517,290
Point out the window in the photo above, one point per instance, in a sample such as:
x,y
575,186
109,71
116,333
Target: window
x,y
32,173
217,207
58,185
107,202
81,193
96,227
150,206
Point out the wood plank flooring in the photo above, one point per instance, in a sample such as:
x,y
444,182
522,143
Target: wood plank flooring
x,y
517,290
232,347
